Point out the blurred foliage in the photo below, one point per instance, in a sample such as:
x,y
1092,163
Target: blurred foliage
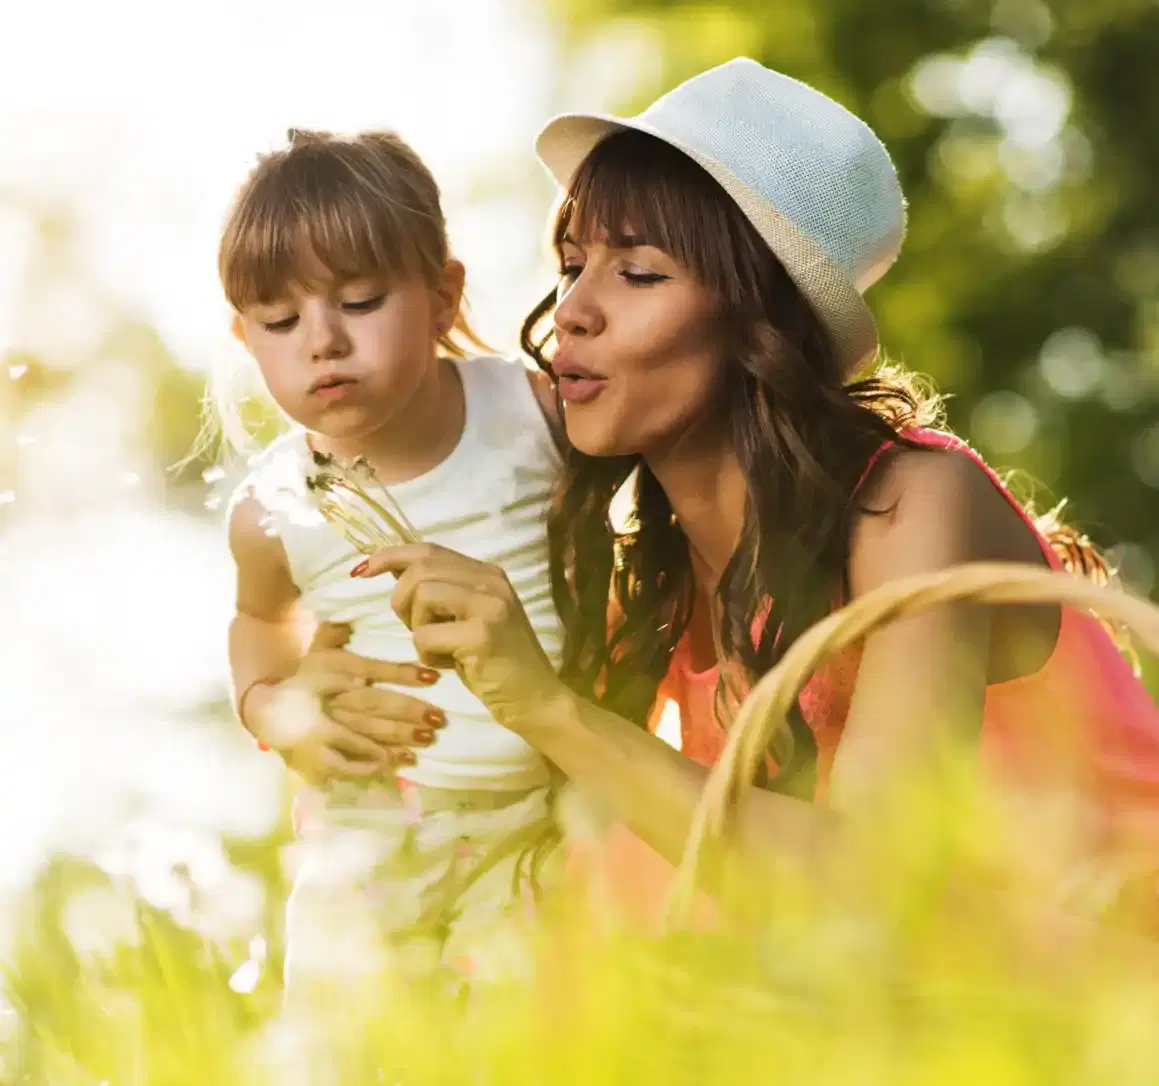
x,y
883,980
1029,283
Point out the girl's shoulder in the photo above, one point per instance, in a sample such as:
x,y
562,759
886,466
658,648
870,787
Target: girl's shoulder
x,y
513,395
275,480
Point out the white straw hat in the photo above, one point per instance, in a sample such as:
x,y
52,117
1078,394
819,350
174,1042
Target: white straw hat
x,y
810,176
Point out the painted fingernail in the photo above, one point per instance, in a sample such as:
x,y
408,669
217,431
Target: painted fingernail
x,y
361,568
424,735
426,675
434,718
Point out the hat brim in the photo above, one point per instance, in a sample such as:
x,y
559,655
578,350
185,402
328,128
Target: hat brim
x,y
566,140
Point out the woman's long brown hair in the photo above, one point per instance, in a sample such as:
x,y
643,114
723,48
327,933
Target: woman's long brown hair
x,y
803,434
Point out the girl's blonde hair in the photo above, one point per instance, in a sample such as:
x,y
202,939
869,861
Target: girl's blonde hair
x,y
326,206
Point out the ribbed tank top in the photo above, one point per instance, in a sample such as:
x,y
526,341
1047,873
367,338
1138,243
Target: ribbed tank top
x,y
489,500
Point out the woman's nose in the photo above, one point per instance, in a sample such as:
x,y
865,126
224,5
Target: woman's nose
x,y
577,311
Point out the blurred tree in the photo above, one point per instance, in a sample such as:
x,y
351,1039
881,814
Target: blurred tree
x,y
1029,283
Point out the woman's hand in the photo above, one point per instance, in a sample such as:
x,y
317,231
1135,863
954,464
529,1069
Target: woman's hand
x,y
464,614
327,720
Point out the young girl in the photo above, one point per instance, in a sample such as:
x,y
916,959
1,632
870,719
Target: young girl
x,y
335,260
712,347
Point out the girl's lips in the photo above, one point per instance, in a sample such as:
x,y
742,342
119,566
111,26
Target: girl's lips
x,y
332,388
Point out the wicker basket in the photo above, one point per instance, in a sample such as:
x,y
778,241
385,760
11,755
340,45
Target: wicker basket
x,y
765,708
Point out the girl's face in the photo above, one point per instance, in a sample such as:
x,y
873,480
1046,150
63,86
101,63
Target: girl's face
x,y
345,357
640,357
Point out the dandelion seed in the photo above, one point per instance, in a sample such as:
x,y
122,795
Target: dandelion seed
x,y
245,978
24,439
16,372
213,475
7,497
130,478
213,501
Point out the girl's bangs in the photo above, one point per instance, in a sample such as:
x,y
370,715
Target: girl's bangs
x,y
311,234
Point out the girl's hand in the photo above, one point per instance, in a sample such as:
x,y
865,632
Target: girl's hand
x,y
465,614
327,720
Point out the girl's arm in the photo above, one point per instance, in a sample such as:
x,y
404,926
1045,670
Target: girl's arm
x,y
265,637
364,729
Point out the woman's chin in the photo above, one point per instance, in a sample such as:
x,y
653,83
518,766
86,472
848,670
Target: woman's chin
x,y
592,442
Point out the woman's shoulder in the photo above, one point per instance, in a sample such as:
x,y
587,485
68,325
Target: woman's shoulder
x,y
928,465
928,507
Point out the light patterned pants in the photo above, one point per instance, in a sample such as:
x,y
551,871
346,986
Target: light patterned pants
x,y
422,884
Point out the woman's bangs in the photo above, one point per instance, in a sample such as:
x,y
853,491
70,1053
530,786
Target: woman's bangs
x,y
627,190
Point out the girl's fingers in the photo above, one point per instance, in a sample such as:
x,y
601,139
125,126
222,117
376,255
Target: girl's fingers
x,y
329,635
332,684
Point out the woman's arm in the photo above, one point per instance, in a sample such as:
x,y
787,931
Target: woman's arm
x,y
921,682
466,610
943,510
653,789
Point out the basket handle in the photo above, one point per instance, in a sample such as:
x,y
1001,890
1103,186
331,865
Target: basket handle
x,y
765,708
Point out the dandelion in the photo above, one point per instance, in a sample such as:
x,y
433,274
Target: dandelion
x,y
339,492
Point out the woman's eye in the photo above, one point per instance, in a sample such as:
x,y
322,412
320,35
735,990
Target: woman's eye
x,y
570,271
639,279
283,325
365,306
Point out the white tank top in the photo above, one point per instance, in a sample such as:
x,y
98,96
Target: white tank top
x,y
488,499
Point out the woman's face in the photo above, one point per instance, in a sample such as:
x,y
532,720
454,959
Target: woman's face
x,y
640,347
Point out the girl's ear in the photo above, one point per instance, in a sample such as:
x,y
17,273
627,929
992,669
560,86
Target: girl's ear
x,y
450,296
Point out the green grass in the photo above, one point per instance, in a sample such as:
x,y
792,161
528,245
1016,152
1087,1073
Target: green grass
x,y
880,979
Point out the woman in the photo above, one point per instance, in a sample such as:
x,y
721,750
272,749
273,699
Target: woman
x,y
708,332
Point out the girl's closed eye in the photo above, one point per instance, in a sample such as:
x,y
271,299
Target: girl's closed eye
x,y
364,305
282,324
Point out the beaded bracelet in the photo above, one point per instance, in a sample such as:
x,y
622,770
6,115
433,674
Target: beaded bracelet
x,y
268,680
